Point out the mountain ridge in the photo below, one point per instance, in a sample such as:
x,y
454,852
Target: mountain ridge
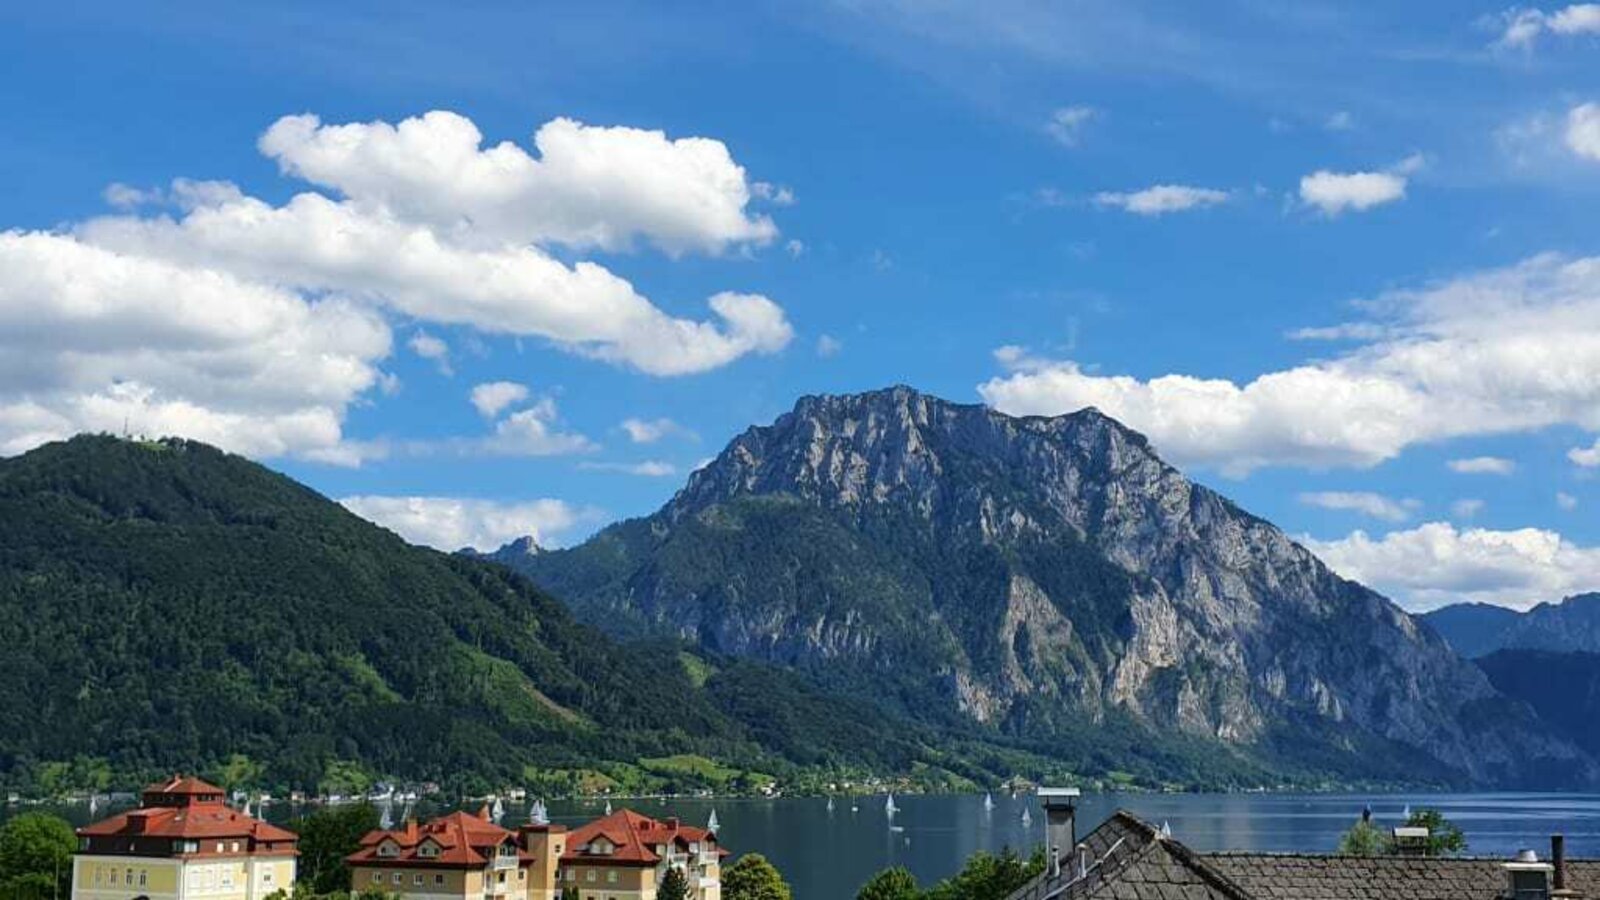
x,y
1032,574
1479,629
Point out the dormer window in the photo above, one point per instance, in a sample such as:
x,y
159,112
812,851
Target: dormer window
x,y
388,849
428,850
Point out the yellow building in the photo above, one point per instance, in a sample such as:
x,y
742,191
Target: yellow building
x,y
625,855
182,843
460,857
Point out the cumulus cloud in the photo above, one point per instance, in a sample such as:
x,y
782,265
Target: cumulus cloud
x,y
1436,563
256,325
1338,192
829,346
1588,457
1366,503
492,397
432,348
1583,131
1482,465
649,468
648,431
1466,508
1161,199
1566,501
1503,351
1066,124
533,431
454,523
1521,28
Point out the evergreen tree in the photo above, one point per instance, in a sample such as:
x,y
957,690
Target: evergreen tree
x,y
890,884
36,856
674,885
1363,839
1444,836
753,878
327,836
989,876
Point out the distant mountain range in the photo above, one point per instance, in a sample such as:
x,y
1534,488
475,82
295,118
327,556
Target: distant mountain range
x,y
1048,581
1478,629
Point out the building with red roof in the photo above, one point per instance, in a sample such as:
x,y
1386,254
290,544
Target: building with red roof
x,y
625,855
182,840
458,856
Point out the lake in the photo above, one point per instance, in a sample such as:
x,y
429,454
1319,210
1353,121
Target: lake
x,y
827,855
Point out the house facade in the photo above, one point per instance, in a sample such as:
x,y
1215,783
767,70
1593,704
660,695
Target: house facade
x,y
625,855
462,856
182,843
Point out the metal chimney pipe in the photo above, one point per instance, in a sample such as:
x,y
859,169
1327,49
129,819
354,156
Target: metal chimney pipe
x,y
1558,859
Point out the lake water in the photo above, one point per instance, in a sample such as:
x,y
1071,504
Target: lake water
x,y
827,855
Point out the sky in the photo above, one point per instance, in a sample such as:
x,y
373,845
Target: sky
x,y
480,270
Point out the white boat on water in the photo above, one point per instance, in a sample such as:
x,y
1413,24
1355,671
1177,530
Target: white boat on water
x,y
988,802
889,807
711,823
1027,817
608,807
499,811
538,813
830,804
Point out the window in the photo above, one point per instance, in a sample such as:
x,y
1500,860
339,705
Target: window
x,y
522,874
611,877
417,878
590,876
266,875
377,878
144,877
396,877
234,847
502,878
438,879
129,880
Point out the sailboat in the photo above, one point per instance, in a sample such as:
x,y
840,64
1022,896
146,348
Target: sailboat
x,y
1406,813
854,805
889,807
988,802
1027,817
608,807
538,814
830,804
499,809
711,823
385,821
405,814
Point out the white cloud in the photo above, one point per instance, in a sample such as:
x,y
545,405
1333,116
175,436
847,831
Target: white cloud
x,y
534,432
1566,501
1337,192
1522,27
1482,465
1341,120
588,187
795,248
1496,352
492,397
1588,457
648,431
432,348
1583,131
1066,124
1161,199
255,326
829,346
648,469
452,523
1466,508
1364,502
1435,564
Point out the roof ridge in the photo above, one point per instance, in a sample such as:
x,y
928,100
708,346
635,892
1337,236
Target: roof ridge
x,y
1189,858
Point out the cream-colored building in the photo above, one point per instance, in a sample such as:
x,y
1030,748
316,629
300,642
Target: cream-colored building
x,y
460,857
182,843
625,855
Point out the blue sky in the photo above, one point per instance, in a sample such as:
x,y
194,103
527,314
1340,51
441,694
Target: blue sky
x,y
1319,255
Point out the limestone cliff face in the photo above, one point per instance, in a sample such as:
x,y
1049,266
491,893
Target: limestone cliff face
x,y
1042,574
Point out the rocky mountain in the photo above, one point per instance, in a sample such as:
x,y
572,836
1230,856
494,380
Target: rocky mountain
x,y
1054,581
1478,629
1563,688
165,606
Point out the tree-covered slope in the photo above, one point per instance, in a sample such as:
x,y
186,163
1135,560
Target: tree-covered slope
x,y
165,606
1047,580
1564,688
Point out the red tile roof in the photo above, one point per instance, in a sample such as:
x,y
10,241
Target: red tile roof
x,y
188,808
462,839
634,839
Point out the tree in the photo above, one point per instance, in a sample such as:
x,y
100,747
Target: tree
x,y
36,856
890,884
327,836
1363,839
1444,836
570,892
674,885
753,878
989,876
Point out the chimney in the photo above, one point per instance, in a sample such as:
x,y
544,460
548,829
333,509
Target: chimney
x,y
1527,878
1060,820
1558,861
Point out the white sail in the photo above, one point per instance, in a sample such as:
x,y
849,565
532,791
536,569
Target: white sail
x,y
988,802
538,814
385,821
889,807
608,807
711,823
1027,817
830,804
499,809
